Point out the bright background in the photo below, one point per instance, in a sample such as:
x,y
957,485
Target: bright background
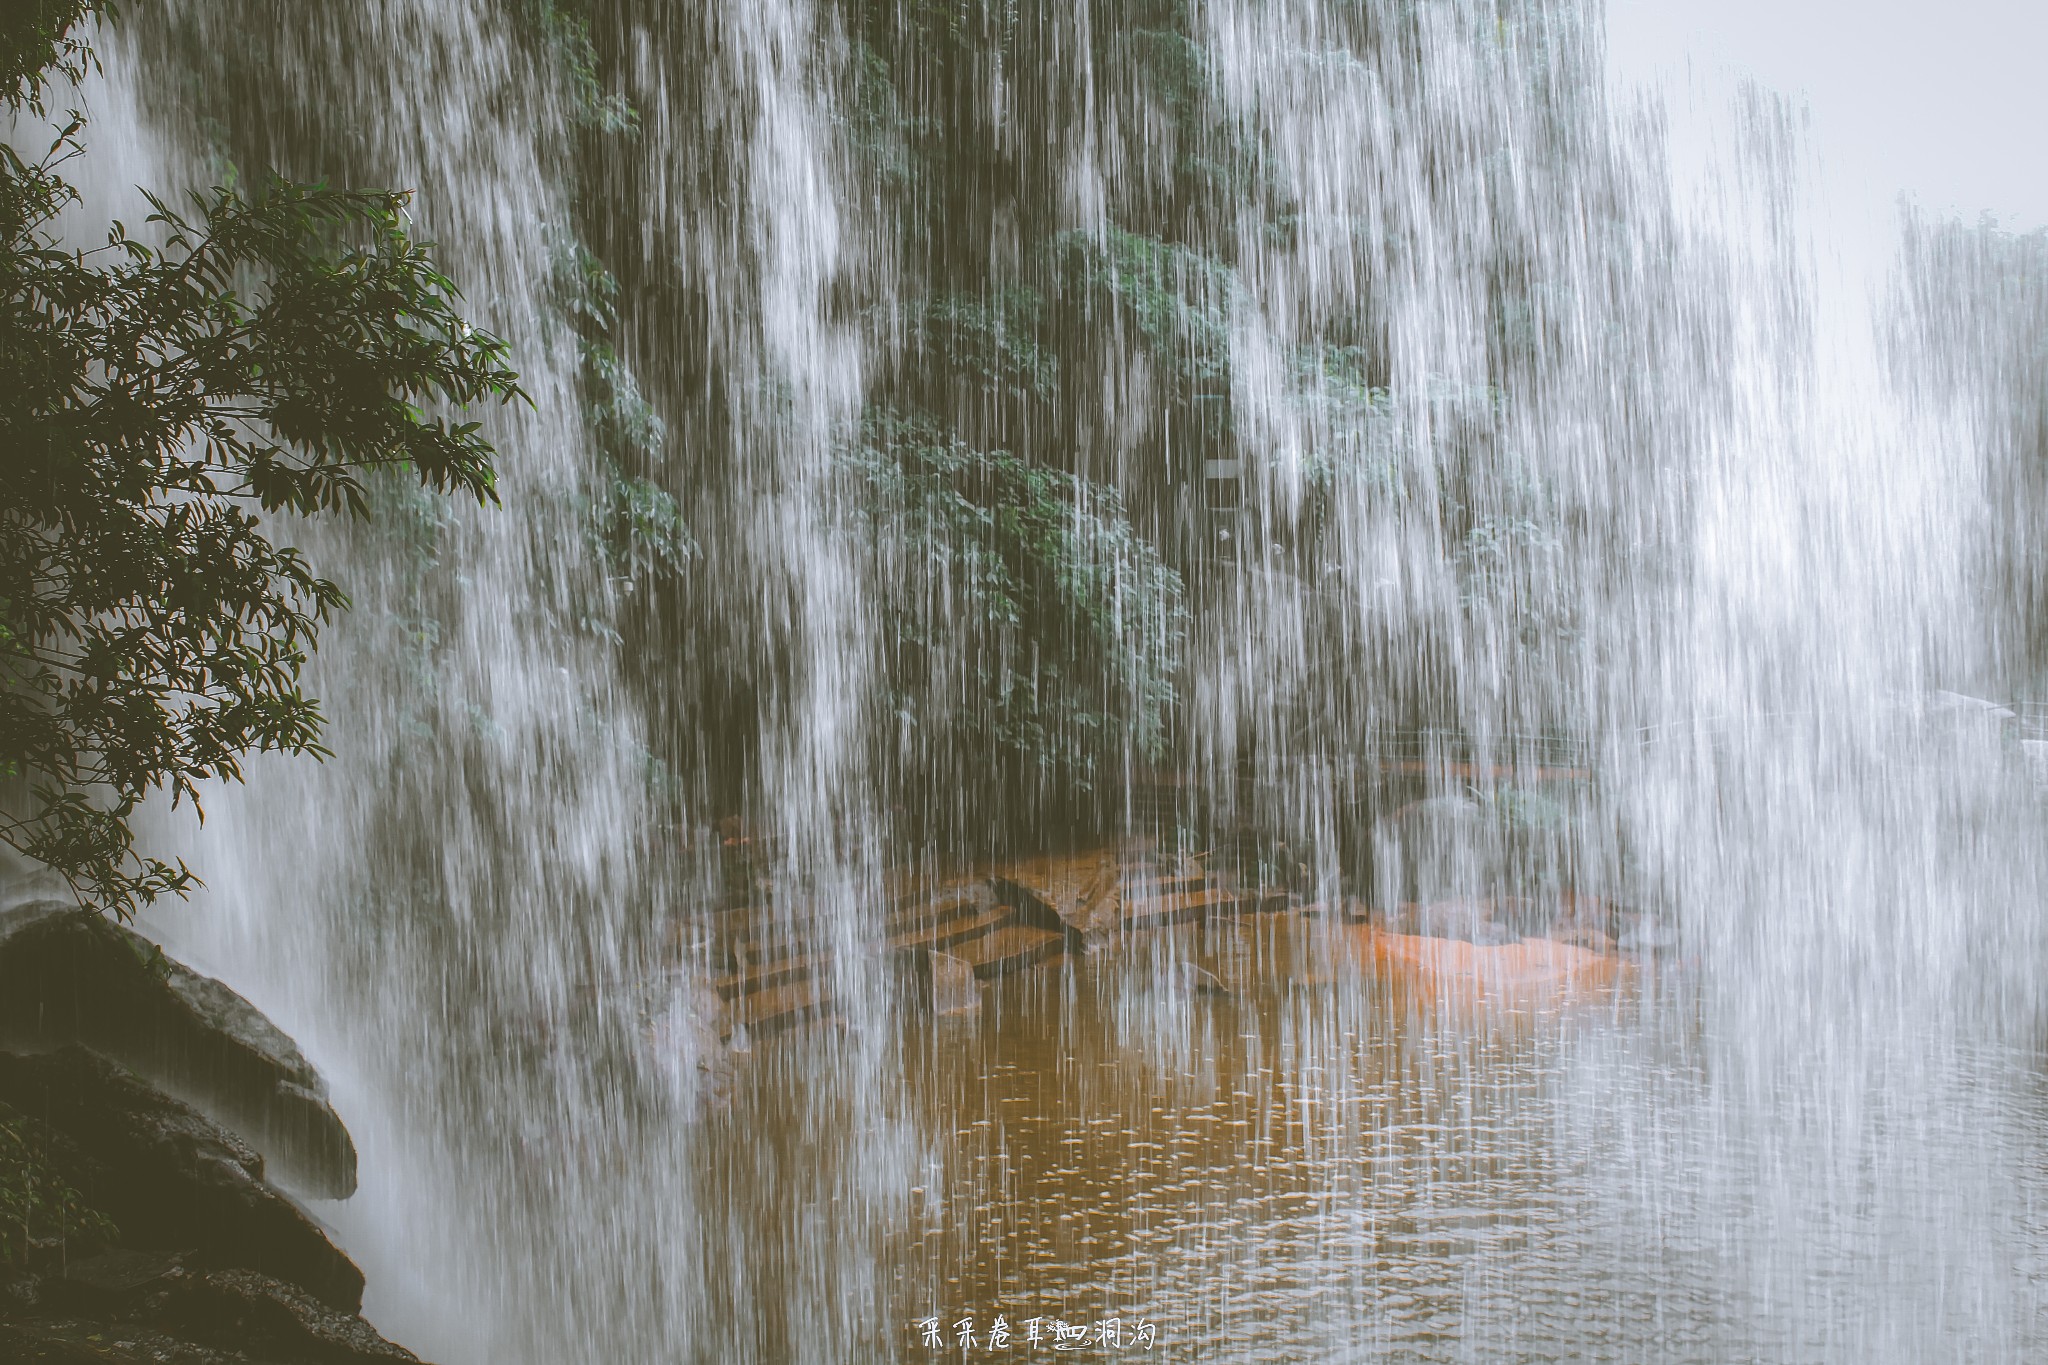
x,y
1944,101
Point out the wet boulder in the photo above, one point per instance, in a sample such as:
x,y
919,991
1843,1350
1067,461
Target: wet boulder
x,y
140,1308
686,1034
72,977
1590,937
258,1314
171,1179
1037,908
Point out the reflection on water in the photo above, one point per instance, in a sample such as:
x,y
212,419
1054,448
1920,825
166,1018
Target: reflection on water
x,y
1312,1156
1306,1168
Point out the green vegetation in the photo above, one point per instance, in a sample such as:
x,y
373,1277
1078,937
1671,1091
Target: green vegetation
x,y
635,525
566,31
1031,577
1045,228
255,353
37,1206
1030,629
989,342
1176,299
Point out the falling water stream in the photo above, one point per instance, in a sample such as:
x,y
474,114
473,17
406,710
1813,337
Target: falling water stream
x,y
1552,441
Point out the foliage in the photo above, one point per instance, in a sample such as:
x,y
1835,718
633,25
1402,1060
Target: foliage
x,y
877,130
1176,66
268,353
634,524
990,341
36,1203
1532,809
567,35
36,43
1031,624
1354,422
1178,299
581,286
624,418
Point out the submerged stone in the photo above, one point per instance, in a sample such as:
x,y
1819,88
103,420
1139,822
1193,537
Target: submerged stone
x,y
1197,980
955,989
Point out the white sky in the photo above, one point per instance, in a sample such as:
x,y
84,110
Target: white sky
x,y
1945,100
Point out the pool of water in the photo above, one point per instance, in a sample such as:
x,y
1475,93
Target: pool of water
x,y
1306,1158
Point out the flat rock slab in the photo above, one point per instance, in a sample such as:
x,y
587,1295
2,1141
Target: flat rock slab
x,y
767,975
1192,907
944,935
120,1273
172,1179
1007,950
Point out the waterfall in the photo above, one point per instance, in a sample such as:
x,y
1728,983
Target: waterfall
x,y
485,879
1489,414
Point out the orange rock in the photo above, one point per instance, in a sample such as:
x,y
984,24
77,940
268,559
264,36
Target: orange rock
x,y
1529,972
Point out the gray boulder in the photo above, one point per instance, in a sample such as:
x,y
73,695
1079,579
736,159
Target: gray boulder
x,y
1469,920
72,977
1441,848
258,1314
171,1179
153,1310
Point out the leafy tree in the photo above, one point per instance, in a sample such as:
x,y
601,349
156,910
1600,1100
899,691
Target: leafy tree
x,y
262,352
